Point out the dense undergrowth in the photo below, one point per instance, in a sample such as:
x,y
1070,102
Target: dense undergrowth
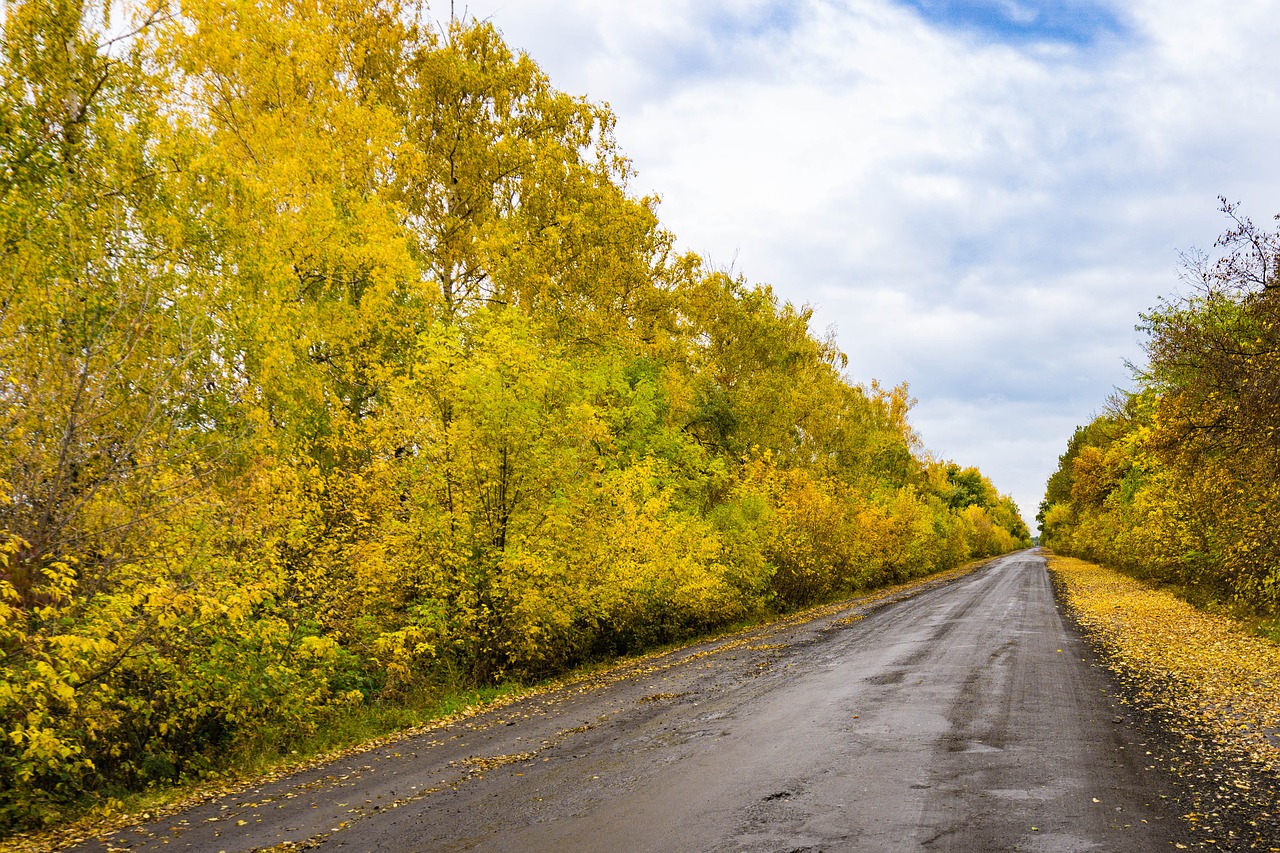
x,y
1208,681
339,368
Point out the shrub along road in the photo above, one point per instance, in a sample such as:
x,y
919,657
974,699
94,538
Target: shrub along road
x,y
961,715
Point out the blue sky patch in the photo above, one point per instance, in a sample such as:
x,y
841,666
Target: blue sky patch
x,y
1076,22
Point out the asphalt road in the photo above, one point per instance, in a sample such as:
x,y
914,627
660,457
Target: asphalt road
x,y
965,717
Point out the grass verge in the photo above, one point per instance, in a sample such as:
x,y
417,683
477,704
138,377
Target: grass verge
x,y
1208,680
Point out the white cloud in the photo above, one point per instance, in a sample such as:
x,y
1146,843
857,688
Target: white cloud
x,y
983,220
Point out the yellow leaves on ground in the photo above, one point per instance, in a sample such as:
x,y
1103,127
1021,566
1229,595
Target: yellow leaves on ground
x,y
1202,667
1213,687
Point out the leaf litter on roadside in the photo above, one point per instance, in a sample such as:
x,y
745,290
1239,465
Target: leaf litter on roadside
x,y
1212,686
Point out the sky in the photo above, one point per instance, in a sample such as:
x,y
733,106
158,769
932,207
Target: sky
x,y
979,197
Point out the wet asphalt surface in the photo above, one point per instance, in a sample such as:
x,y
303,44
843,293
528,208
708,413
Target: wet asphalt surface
x,y
967,716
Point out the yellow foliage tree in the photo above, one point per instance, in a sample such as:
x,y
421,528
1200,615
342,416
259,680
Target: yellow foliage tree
x,y
338,364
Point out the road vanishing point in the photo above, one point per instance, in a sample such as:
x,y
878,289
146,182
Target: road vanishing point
x,y
963,715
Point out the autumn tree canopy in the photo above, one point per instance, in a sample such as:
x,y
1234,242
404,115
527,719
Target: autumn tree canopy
x,y
1180,480
339,364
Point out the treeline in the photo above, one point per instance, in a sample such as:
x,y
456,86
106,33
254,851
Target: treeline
x,y
337,364
1179,481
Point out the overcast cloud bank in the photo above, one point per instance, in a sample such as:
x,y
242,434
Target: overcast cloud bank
x,y
979,195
